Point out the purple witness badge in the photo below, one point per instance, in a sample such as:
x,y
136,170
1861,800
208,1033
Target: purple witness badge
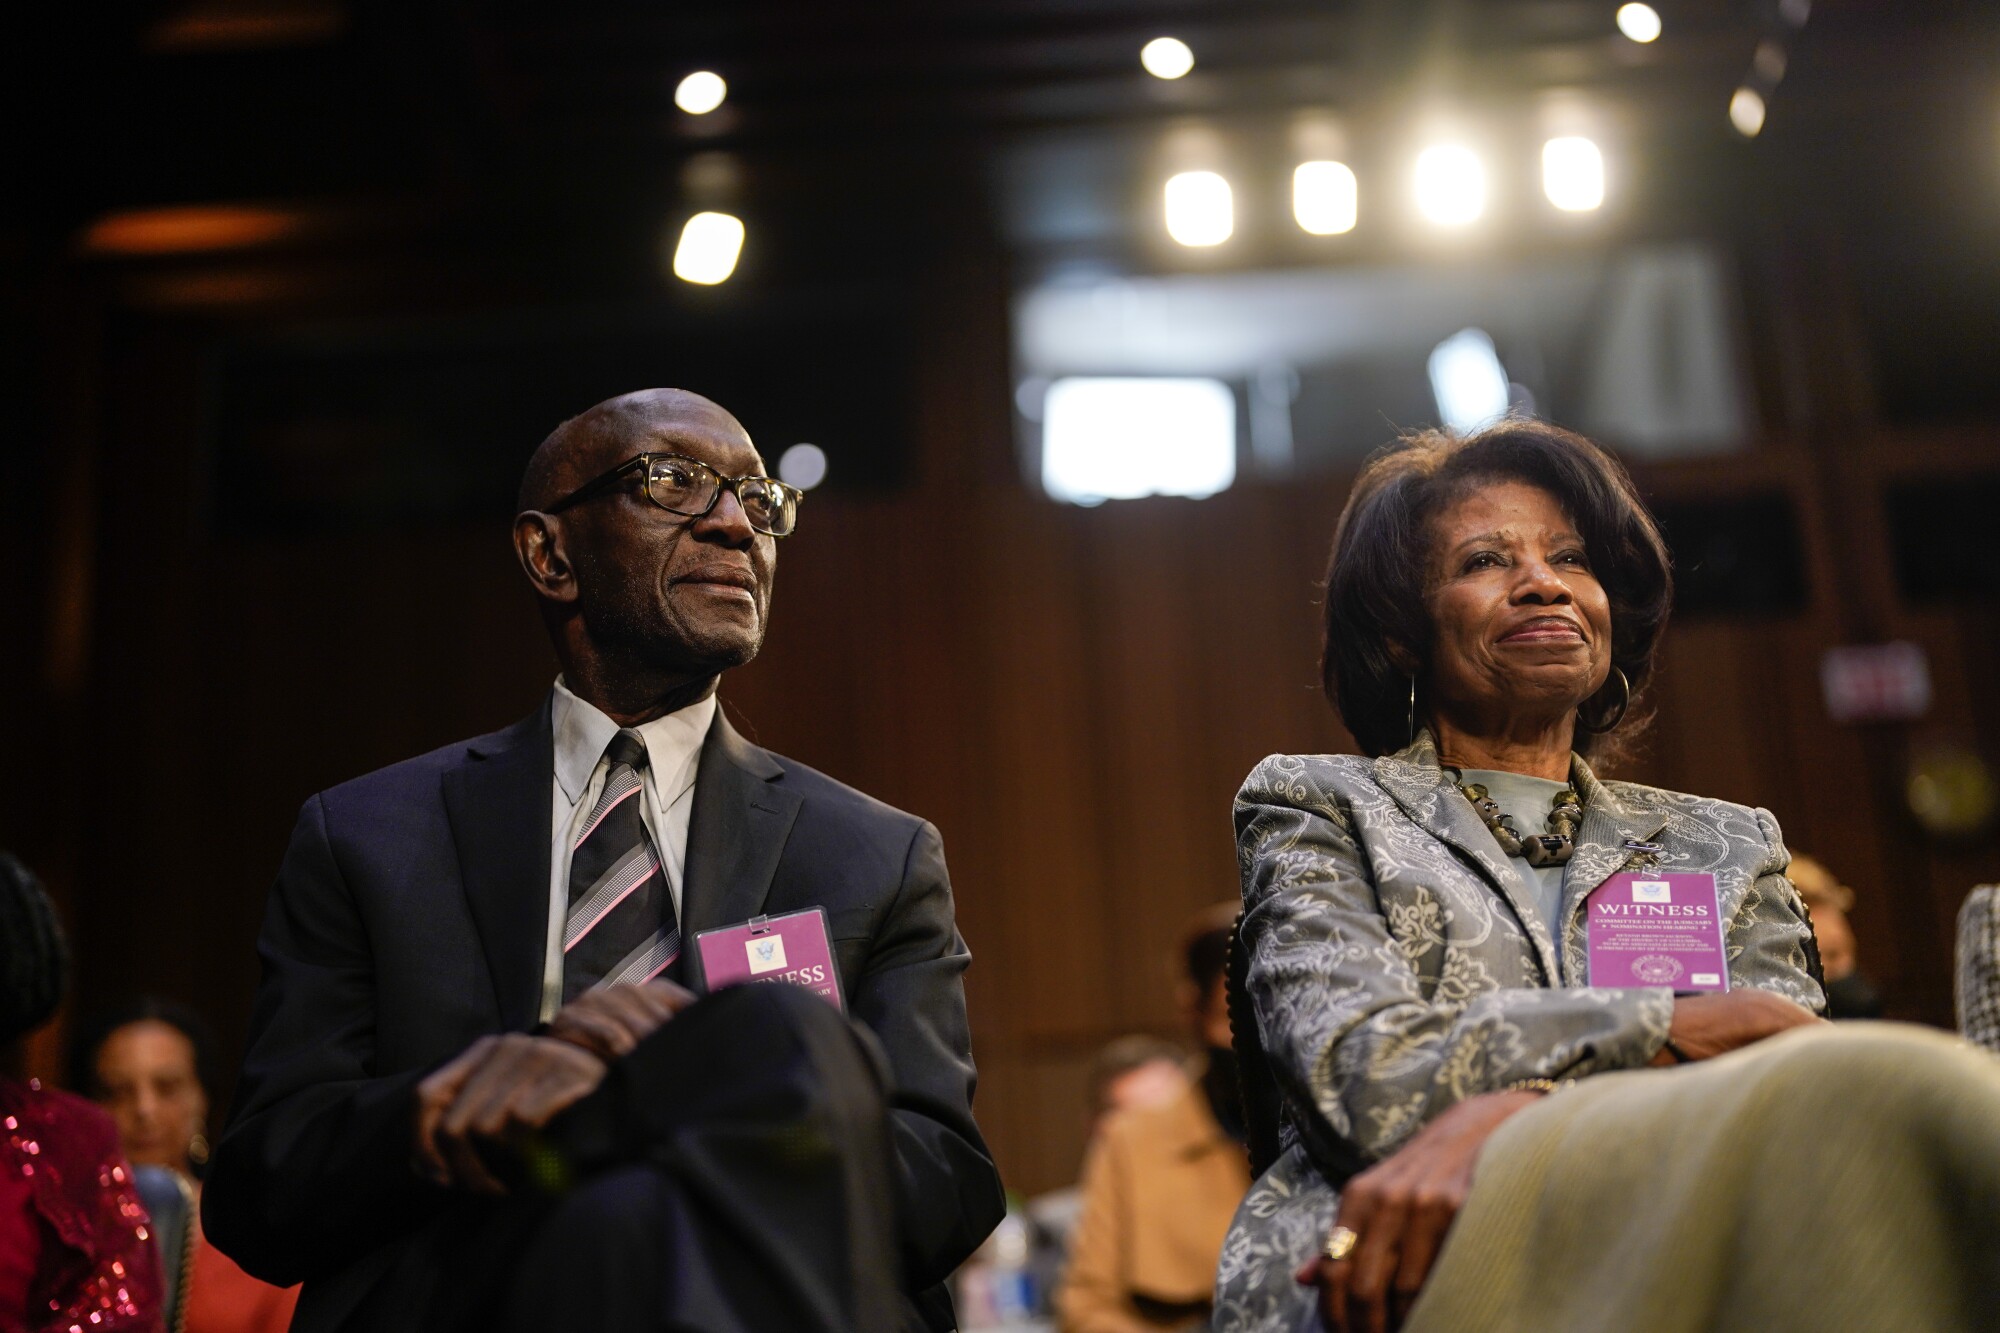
x,y
794,947
1656,929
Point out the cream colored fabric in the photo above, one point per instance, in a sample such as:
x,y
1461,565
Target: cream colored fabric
x,y
1834,1178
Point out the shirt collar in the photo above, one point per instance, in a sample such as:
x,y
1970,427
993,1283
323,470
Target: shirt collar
x,y
583,732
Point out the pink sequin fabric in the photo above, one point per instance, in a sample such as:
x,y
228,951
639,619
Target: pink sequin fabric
x,y
99,1269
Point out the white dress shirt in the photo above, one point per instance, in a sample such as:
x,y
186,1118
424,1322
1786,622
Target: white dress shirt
x,y
673,754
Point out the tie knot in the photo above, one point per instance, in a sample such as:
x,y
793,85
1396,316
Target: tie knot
x,y
627,748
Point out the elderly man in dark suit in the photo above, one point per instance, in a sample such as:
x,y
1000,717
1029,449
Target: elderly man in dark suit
x,y
477,1093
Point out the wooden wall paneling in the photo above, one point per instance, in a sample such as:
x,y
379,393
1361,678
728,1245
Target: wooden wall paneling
x,y
147,829
1259,668
1699,684
1043,854
1147,630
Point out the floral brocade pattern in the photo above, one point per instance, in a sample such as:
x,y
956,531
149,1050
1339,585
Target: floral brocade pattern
x,y
99,1271
1398,964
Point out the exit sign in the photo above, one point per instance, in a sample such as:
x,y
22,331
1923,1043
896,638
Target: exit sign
x,y
1876,682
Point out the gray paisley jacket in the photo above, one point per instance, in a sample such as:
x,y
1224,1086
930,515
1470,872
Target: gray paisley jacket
x,y
1398,964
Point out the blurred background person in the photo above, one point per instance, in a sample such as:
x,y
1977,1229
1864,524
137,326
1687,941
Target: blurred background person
x,y
76,1246
147,1063
1130,1073
1162,1182
1133,1073
1850,993
1012,1280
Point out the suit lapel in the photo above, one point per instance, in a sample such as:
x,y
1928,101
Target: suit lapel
x,y
1423,791
498,804
736,831
1608,824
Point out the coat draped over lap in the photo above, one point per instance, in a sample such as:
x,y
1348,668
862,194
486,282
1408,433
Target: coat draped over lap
x,y
1398,964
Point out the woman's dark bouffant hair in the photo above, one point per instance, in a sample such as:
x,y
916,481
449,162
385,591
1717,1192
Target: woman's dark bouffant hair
x,y
34,963
1377,578
90,1035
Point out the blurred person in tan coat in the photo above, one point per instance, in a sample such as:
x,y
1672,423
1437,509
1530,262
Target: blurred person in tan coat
x,y
1161,1183
1850,993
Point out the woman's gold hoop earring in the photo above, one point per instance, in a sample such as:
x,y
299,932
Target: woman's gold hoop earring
x,y
1617,714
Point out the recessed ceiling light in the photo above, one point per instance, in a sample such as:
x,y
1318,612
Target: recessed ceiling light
x,y
709,245
1746,112
1166,57
1573,174
1200,210
1451,185
1326,198
1639,22
700,92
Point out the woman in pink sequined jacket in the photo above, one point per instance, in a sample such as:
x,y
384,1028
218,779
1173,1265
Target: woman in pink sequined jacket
x,y
76,1248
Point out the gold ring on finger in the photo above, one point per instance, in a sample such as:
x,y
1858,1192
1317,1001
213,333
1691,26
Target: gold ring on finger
x,y
1341,1242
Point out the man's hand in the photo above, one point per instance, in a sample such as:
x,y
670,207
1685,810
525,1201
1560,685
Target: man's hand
x,y
609,1022
1401,1208
1706,1026
497,1092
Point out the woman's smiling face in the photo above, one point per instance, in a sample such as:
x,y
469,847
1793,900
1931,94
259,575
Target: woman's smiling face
x,y
1522,626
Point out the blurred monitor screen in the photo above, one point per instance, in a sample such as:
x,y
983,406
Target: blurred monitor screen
x,y
1637,347
1120,438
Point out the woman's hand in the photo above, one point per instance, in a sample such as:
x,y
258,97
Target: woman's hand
x,y
1706,1026
1401,1208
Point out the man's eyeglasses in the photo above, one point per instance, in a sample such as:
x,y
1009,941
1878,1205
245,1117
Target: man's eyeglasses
x,y
691,487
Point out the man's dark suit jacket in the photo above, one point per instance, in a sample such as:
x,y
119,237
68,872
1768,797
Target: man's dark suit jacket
x,y
410,918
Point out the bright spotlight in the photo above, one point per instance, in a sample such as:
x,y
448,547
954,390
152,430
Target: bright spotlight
x,y
1746,112
1468,381
1639,22
710,243
1199,211
700,93
1326,199
1451,185
1166,57
803,466
1573,174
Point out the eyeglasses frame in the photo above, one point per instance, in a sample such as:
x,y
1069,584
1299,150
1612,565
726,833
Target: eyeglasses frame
x,y
607,482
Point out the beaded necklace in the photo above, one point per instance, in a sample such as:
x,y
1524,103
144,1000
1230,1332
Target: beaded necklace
x,y
1537,849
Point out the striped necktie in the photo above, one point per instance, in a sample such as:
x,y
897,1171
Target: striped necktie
x,y
621,927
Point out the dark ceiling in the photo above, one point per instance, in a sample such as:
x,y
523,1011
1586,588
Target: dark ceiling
x,y
509,151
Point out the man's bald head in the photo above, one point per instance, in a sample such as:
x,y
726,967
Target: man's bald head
x,y
598,439
646,605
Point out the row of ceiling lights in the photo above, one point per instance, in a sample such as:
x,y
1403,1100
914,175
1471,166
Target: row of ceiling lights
x,y
1449,180
1172,58
1448,186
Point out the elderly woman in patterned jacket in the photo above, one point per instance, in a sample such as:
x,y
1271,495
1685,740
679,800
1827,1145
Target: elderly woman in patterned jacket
x,y
1418,924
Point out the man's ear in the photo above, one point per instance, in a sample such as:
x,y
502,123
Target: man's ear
x,y
538,543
